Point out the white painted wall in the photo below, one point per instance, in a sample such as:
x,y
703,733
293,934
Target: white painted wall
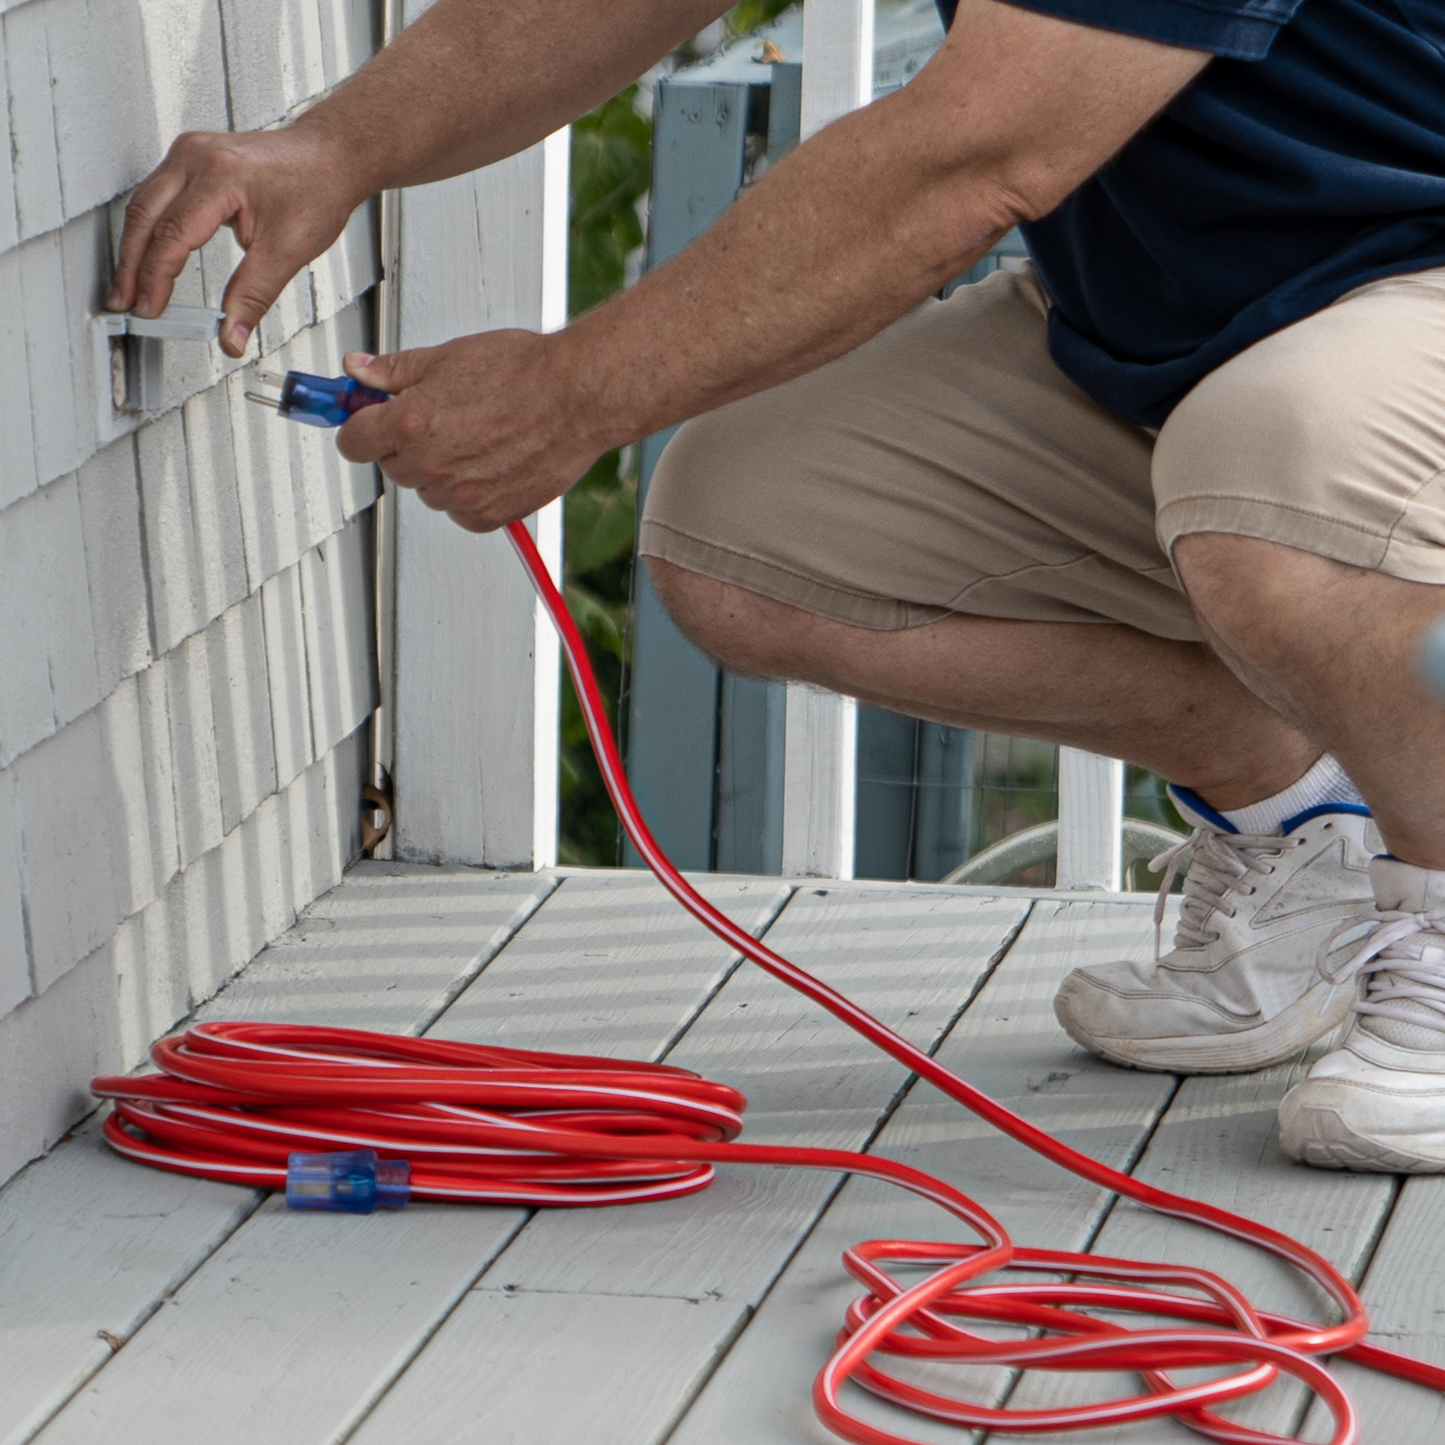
x,y
186,655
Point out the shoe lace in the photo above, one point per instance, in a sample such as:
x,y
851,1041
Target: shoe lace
x,y
1403,962
1220,865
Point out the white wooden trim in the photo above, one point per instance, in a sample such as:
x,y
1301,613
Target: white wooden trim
x,y
837,60
1091,821
556,204
475,751
820,754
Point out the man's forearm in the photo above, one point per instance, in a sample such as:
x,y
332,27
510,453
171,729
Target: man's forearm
x,y
859,224
869,217
474,81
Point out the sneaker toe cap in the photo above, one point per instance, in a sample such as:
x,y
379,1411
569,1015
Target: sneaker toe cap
x,y
1348,1114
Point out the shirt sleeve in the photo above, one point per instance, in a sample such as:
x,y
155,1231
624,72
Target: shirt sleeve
x,y
1235,29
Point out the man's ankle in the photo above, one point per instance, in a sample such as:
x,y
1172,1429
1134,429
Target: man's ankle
x,y
1323,783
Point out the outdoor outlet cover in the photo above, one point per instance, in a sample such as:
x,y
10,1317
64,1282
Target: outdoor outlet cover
x,y
128,358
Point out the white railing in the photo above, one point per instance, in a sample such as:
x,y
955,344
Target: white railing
x,y
475,710
820,759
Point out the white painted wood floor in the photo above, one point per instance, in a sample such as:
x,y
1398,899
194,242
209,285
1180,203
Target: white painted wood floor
x,y
138,1308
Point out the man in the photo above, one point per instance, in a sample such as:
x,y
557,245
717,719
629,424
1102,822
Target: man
x,y
1174,495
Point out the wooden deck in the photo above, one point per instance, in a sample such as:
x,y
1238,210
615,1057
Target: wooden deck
x,y
142,1307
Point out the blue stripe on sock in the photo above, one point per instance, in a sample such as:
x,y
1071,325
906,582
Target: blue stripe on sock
x,y
1196,804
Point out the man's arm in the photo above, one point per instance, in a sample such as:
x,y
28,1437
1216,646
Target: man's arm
x,y
469,83
854,228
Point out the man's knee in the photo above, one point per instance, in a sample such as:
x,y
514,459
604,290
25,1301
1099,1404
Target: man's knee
x,y
746,632
1252,594
690,599
726,622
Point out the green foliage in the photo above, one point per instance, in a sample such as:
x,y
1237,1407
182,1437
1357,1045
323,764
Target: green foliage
x,y
748,16
611,161
611,170
600,520
611,165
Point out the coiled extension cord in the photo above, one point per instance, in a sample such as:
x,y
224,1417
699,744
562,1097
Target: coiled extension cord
x,y
492,1125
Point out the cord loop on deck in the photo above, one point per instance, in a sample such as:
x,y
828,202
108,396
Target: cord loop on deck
x,y
492,1125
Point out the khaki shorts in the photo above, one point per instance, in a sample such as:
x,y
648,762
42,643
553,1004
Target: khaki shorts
x,y
949,466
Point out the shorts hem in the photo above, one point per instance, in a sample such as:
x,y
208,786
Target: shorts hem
x,y
1306,530
741,569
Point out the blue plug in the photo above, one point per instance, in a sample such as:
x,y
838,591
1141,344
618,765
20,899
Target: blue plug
x,y
316,400
355,1182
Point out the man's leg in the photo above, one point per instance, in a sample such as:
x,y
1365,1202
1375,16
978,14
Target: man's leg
x,y
1240,989
944,524
1332,647
1171,706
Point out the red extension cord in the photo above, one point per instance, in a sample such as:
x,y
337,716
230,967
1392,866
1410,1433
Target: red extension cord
x,y
494,1125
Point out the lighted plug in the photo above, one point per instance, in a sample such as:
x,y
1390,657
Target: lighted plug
x,y
357,1181
315,400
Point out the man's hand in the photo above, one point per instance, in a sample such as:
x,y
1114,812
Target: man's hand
x,y
486,429
281,192
472,81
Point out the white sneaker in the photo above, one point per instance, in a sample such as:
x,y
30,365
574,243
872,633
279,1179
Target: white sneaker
x,y
1378,1101
1241,988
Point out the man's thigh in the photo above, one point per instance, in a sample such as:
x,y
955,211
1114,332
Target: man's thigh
x,y
945,466
1328,436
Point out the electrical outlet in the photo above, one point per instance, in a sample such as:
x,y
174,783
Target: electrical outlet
x,y
129,352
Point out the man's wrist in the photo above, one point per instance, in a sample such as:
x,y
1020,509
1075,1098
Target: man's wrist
x,y
339,158
600,412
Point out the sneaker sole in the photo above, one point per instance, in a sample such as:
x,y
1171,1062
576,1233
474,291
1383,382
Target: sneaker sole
x,y
1320,1136
1284,1036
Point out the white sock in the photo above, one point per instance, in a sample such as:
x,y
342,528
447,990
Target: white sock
x,y
1326,782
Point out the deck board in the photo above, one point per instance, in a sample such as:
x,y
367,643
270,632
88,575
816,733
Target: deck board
x,y
1219,1142
703,1262
86,1246
698,1321
1404,1292
329,1310
1009,1044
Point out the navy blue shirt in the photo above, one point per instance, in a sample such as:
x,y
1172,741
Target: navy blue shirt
x,y
1307,159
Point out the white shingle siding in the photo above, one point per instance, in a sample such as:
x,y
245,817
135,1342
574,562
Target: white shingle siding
x,y
170,532
241,707
273,58
126,77
17,451
187,660
14,952
142,824
115,569
62,592
32,120
27,710
335,589
153,697
9,226
57,420
215,503
69,816
193,749
286,673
